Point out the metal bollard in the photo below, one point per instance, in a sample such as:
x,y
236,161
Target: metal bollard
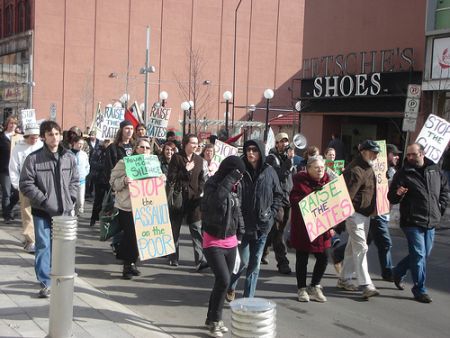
x,y
64,235
253,317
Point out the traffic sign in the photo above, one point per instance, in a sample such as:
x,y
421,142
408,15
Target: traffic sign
x,y
409,124
414,91
412,107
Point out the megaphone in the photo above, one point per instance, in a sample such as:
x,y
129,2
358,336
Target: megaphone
x,y
299,141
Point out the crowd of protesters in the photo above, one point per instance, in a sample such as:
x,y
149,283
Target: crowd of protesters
x,y
241,207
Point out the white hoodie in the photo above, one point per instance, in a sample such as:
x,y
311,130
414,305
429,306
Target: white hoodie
x,y
20,152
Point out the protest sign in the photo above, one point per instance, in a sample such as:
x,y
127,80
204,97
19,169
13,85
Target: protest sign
x,y
337,165
107,124
157,122
323,209
434,137
27,117
221,151
151,218
142,166
380,167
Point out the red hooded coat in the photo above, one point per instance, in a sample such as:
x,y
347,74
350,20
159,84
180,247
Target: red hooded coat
x,y
303,186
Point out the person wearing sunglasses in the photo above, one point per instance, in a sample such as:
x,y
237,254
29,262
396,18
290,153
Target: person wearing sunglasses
x,y
127,250
261,200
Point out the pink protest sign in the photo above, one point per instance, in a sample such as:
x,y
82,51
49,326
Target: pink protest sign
x,y
380,167
323,209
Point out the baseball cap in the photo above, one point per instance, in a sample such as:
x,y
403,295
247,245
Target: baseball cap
x,y
281,136
392,148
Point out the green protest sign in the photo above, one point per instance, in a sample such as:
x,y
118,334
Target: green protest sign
x,y
142,166
337,166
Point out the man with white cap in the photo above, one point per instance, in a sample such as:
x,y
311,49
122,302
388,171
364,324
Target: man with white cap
x,y
281,159
30,143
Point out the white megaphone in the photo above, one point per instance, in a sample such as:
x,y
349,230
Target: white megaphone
x,y
299,141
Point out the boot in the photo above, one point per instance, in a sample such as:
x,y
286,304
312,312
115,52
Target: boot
x,y
134,270
127,271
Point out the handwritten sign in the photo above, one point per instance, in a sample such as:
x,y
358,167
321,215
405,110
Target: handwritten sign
x,y
434,137
323,209
157,122
27,117
221,151
107,124
336,165
151,218
380,168
142,166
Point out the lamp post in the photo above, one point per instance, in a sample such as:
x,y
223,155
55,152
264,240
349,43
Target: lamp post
x,y
268,95
163,97
227,96
185,106
191,106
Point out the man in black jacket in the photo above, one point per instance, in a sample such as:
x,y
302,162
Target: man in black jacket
x,y
422,191
261,199
281,159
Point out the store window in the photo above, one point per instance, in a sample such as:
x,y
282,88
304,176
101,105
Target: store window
x,y
442,14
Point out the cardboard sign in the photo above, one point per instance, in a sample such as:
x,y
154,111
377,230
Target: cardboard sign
x,y
107,124
142,166
380,168
336,165
157,122
221,151
27,117
434,137
323,209
151,218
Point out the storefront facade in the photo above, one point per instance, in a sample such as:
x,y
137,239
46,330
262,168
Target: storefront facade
x,y
358,61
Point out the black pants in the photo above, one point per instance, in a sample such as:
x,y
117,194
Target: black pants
x,y
100,191
221,261
275,237
301,265
128,250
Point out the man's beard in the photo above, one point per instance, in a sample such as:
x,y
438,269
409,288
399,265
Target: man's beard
x,y
370,162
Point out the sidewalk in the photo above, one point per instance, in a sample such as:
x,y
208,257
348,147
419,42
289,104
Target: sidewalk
x,y
23,314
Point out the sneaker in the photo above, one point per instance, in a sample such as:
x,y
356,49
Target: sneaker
x,y
423,298
231,294
303,295
369,291
315,293
127,273
30,248
284,269
209,323
346,285
215,330
399,283
134,270
44,292
202,266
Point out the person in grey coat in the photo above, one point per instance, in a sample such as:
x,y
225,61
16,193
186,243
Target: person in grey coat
x,y
49,179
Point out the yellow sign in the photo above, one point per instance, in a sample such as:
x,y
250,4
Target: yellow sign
x,y
151,218
324,208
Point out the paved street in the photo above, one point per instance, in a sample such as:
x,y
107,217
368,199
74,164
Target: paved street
x,y
175,299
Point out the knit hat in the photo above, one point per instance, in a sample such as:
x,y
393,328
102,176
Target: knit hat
x,y
125,123
229,164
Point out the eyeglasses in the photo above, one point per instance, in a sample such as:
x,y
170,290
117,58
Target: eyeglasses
x,y
145,147
253,149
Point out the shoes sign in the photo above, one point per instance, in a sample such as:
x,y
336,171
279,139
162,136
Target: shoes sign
x,y
411,107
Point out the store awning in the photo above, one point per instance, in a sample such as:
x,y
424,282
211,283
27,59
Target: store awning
x,y
288,119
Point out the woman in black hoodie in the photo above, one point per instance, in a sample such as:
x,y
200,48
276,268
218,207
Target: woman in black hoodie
x,y
223,227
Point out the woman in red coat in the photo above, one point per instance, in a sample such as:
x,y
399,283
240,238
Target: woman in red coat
x,y
304,184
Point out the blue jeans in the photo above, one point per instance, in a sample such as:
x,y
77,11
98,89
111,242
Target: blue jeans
x,y
43,253
250,251
420,243
379,233
10,196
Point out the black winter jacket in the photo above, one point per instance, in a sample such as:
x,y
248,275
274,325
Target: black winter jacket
x,y
427,196
285,170
261,195
5,152
221,208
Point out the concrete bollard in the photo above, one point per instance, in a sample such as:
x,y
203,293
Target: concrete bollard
x,y
253,317
64,235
